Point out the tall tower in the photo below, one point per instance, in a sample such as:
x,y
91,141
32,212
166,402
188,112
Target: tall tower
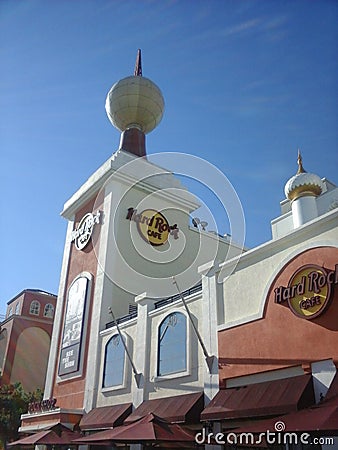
x,y
128,235
302,190
113,250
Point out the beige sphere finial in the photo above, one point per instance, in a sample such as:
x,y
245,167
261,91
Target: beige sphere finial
x,y
135,102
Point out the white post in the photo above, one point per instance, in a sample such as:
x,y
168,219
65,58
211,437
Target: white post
x,y
142,344
209,328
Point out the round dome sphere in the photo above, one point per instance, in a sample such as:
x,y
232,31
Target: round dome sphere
x,y
135,102
303,184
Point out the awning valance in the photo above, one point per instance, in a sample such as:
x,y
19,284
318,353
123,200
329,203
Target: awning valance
x,y
184,408
261,399
105,417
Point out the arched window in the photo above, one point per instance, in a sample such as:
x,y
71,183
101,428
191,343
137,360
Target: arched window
x,y
172,344
17,308
35,308
113,372
49,310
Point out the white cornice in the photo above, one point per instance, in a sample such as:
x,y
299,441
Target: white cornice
x,y
302,234
159,179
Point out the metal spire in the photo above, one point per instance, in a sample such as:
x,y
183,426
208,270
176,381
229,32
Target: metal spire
x,y
138,65
300,163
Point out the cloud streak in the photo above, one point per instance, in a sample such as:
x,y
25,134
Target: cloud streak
x,y
242,27
271,25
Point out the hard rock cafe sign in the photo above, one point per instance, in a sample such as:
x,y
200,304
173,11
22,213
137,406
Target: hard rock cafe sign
x,y
152,226
81,236
309,290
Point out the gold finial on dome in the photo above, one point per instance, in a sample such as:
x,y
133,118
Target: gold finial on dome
x,y
300,163
303,184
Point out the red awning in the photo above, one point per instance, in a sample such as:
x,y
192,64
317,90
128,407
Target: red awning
x,y
59,435
261,399
319,418
149,429
184,408
42,437
105,417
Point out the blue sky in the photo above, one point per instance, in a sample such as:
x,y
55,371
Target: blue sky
x,y
245,84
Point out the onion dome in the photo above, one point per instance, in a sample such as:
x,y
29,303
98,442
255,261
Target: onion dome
x,y
303,183
135,102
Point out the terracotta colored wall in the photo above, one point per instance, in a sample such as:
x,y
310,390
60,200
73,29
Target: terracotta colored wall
x,y
43,299
70,393
281,339
29,366
15,328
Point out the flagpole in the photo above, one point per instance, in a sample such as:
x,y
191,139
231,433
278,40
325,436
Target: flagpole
x,y
136,374
208,358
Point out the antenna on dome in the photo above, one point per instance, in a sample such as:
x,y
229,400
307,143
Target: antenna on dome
x,y
138,64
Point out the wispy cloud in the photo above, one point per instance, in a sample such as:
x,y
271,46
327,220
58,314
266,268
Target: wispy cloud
x,y
242,27
273,26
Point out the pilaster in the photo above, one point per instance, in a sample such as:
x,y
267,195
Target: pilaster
x,y
53,353
209,328
142,346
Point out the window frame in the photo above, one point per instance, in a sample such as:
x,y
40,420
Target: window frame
x,y
123,385
36,302
51,307
17,309
181,373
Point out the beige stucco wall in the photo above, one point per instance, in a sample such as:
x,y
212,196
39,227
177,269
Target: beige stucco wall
x,y
245,292
156,387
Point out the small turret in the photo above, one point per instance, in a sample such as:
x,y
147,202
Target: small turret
x,y
302,190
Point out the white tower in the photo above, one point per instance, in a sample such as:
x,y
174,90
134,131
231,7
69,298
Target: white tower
x,y
302,190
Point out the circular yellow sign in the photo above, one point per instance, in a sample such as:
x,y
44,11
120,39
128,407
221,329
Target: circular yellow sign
x,y
310,291
153,227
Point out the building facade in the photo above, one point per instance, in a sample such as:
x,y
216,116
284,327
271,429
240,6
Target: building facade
x,y
156,315
123,338
277,321
28,324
